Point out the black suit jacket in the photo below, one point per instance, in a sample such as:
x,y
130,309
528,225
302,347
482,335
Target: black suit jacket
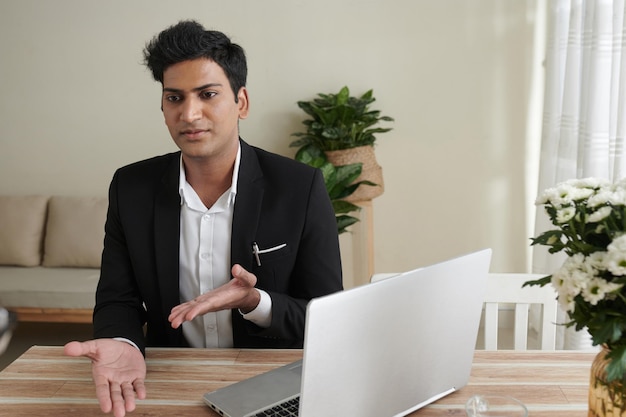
x,y
278,201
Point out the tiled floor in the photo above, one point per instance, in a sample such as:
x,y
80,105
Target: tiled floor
x,y
50,334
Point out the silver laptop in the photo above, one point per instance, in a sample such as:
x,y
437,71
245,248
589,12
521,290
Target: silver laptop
x,y
383,349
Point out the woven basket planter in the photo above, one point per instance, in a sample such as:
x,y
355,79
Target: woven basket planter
x,y
371,171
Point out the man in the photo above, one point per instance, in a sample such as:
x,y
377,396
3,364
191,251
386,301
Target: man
x,y
218,245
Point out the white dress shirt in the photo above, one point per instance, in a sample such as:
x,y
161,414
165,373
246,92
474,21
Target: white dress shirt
x,y
205,236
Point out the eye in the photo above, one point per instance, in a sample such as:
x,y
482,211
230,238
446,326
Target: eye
x,y
172,98
208,94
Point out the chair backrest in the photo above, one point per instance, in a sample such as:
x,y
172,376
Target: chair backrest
x,y
506,288
383,275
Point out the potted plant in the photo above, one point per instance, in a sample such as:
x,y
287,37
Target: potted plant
x,y
589,216
344,128
339,180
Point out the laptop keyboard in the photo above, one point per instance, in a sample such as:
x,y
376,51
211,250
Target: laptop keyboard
x,y
288,408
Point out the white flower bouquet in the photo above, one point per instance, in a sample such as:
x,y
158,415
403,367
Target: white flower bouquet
x,y
590,219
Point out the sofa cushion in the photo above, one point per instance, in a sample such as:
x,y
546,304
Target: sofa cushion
x,y
22,220
48,287
75,231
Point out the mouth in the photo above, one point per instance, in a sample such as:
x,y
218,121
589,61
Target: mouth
x,y
194,133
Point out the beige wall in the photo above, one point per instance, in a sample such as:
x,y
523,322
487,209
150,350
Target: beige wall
x,y
76,103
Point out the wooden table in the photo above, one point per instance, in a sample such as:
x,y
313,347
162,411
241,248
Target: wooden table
x,y
43,382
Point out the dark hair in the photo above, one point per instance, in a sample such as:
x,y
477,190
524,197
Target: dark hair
x,y
188,40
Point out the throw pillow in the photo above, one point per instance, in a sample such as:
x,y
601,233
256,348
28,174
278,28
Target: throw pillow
x,y
75,231
22,220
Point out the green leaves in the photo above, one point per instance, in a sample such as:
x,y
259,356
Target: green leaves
x,y
340,121
616,369
579,234
339,183
541,282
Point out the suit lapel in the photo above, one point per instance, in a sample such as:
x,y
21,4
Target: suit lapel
x,y
167,235
250,190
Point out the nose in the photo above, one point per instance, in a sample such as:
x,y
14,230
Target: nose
x,y
191,110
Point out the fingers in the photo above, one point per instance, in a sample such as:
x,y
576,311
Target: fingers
x,y
185,312
237,293
128,400
87,349
245,278
119,397
103,393
140,389
191,309
72,349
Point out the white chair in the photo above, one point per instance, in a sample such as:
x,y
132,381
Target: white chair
x,y
506,288
381,276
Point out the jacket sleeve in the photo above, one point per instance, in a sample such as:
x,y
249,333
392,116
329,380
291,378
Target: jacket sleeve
x,y
119,311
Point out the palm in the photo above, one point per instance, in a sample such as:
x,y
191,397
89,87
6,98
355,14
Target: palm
x,y
239,293
117,361
118,371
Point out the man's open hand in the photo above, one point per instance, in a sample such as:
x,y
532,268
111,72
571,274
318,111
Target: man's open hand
x,y
118,371
239,293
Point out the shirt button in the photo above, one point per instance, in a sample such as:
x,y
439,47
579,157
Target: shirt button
x,y
210,328
204,256
206,217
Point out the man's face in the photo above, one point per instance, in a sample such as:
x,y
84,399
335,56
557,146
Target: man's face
x,y
200,109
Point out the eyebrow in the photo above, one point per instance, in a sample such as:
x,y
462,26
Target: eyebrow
x,y
202,87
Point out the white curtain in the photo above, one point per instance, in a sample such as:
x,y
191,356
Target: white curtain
x,y
584,112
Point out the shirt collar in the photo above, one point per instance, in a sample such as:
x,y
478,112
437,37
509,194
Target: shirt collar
x,y
233,186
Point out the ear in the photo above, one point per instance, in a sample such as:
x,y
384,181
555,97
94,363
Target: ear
x,y
243,102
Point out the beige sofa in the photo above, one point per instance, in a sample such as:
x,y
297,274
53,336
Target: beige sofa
x,y
50,251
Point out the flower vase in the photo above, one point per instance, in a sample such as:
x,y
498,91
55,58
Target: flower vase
x,y
606,399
